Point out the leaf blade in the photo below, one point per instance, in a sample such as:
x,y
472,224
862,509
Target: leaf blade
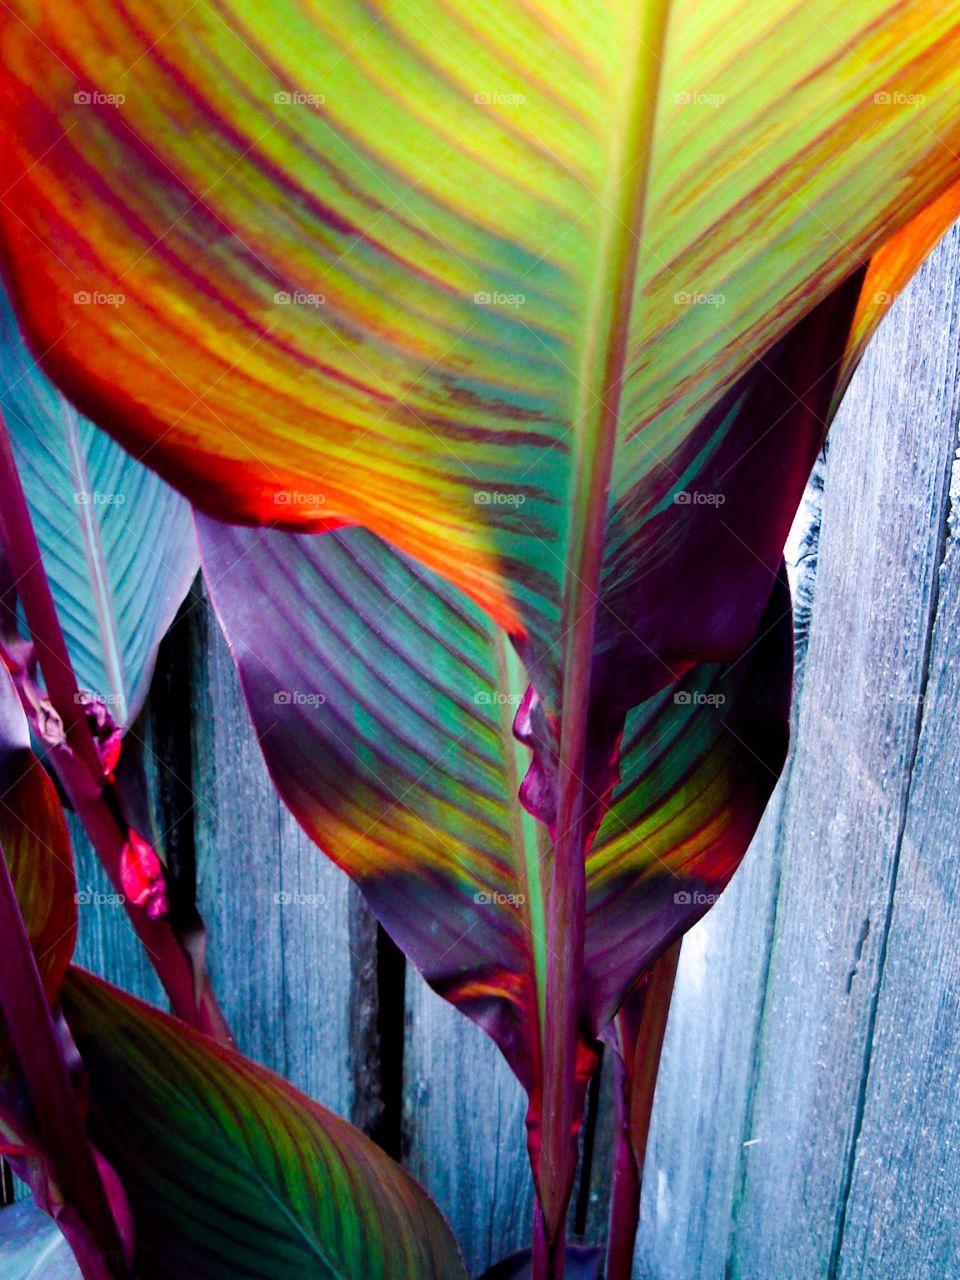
x,y
117,543
232,1172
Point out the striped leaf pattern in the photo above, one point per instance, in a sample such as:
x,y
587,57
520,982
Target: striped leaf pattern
x,y
117,543
231,1173
492,282
384,703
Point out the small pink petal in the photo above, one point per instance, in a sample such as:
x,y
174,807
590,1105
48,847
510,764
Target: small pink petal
x,y
141,875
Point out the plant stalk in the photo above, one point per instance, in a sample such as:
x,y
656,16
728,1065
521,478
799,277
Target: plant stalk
x,y
194,1002
77,762
596,420
549,1255
66,1147
637,1067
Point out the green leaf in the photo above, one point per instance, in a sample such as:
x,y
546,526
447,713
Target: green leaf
x,y
377,265
230,1171
118,545
384,703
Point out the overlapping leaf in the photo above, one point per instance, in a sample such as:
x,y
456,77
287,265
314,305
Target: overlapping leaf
x,y
198,1123
457,274
232,1173
384,703
117,543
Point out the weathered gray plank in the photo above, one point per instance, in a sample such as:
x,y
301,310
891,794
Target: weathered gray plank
x,y
902,1216
707,1073
703,1089
465,1120
763,1064
858,715
275,908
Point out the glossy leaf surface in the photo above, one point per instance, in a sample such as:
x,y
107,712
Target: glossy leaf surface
x,y
384,703
230,1171
491,282
118,545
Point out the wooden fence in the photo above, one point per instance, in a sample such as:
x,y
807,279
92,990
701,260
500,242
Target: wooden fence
x,y
807,1120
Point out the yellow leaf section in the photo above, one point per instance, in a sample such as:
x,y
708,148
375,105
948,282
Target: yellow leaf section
x,y
331,262
793,140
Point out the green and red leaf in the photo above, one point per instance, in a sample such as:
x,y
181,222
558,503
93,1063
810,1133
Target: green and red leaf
x,y
230,1171
384,704
601,167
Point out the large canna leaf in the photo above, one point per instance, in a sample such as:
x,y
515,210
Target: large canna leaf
x,y
231,1172
384,703
118,545
497,283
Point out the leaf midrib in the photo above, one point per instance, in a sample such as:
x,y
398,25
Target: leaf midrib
x,y
96,561
596,418
602,365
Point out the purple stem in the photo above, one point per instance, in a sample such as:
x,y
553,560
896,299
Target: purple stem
x,y
66,1147
549,1255
77,763
638,1065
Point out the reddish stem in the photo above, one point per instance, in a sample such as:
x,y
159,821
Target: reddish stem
x,y
641,1042
194,1003
77,762
549,1256
66,1147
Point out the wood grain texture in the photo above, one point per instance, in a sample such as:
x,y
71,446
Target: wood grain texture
x,y
465,1126
276,910
901,1213
761,1164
